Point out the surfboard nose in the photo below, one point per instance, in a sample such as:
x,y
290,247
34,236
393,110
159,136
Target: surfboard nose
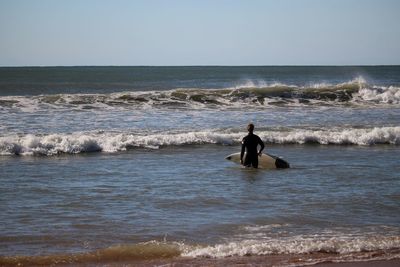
x,y
228,158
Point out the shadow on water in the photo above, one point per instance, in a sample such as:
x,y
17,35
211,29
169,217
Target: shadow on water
x,y
252,175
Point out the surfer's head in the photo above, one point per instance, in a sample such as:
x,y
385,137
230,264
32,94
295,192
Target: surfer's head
x,y
250,128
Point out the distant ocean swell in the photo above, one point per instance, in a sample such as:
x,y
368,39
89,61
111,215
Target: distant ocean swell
x,y
79,142
337,248
354,92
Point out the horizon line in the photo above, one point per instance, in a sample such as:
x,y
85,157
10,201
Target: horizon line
x,y
201,65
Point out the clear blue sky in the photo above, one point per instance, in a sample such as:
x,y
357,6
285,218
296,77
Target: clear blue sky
x,y
201,32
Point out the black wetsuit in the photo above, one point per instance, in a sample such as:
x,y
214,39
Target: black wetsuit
x,y
249,144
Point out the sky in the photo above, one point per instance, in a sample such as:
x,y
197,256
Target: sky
x,y
201,32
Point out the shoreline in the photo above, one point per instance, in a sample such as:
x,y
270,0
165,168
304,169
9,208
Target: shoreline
x,y
373,263
318,259
254,261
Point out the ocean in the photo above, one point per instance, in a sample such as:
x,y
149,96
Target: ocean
x,y
101,165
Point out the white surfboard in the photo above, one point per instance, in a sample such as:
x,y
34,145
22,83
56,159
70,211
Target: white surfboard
x,y
266,161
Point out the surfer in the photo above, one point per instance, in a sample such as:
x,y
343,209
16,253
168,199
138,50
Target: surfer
x,y
249,145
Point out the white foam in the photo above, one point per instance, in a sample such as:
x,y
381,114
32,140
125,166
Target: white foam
x,y
260,84
342,244
52,144
49,144
108,142
390,95
372,136
258,228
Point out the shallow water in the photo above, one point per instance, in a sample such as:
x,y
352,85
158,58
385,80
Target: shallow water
x,y
191,195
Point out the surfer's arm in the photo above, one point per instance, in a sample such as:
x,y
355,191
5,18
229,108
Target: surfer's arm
x,y
242,152
261,143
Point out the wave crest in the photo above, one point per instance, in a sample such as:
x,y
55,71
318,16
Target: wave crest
x,y
81,142
297,245
356,92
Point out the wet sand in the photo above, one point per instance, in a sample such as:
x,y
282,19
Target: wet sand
x,y
262,261
380,263
257,261
313,259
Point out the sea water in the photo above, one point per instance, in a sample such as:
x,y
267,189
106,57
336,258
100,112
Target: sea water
x,y
129,161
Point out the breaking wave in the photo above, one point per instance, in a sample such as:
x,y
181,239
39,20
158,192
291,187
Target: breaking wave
x,y
80,142
333,248
298,245
356,92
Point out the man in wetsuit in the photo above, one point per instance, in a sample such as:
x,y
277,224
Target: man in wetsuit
x,y
249,144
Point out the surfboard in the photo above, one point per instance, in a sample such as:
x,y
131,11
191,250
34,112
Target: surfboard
x,y
266,161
